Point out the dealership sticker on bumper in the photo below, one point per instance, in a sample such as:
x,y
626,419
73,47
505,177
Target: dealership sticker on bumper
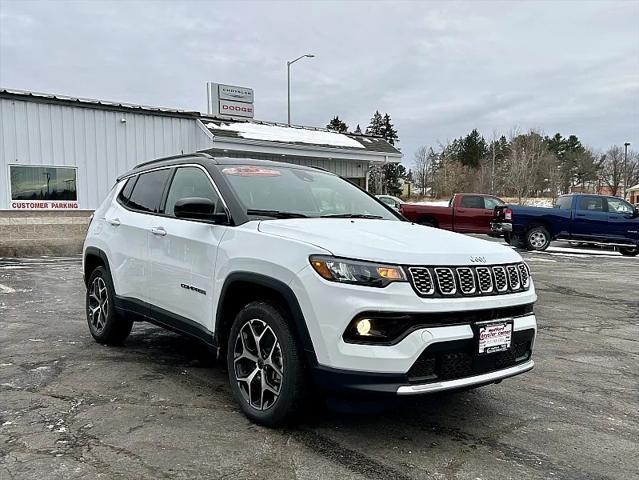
x,y
495,337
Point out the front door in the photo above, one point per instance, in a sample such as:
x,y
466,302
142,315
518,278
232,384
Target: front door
x,y
472,215
622,223
591,219
182,256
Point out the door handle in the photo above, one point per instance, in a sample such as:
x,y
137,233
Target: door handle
x,y
159,231
113,221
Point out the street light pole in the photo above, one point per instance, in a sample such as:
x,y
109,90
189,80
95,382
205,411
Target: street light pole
x,y
288,71
625,169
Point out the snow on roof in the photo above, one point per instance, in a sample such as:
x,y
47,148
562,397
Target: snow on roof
x,y
636,187
274,133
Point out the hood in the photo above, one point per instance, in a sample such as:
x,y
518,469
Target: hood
x,y
389,241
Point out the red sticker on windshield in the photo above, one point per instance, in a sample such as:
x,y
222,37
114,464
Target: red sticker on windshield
x,y
251,171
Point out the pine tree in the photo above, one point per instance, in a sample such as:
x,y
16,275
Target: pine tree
x,y
388,130
473,149
336,125
376,125
358,131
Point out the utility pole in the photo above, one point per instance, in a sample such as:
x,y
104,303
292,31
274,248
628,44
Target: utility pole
x,y
625,169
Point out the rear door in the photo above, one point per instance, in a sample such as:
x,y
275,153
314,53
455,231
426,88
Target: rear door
x,y
471,215
127,223
183,255
623,226
590,221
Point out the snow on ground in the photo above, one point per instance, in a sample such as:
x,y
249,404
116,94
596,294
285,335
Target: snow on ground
x,y
273,133
434,203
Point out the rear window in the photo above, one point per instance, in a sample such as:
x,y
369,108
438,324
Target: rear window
x,y
125,193
564,203
591,204
148,190
472,201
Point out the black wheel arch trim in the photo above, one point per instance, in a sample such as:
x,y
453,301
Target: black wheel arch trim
x,y
95,252
279,287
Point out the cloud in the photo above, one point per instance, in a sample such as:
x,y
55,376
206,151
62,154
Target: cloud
x,y
439,69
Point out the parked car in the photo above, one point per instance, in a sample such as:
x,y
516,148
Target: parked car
x,y
391,201
290,291
465,213
587,219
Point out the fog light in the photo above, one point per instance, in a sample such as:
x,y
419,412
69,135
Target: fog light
x,y
363,327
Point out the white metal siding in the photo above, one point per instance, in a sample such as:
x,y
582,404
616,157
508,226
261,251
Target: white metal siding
x,y
94,140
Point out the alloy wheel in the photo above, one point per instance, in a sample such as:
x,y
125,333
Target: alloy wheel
x,y
537,239
98,304
258,364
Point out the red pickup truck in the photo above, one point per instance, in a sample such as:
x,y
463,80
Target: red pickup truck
x,y
466,212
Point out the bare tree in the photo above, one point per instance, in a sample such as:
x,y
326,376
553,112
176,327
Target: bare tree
x,y
528,153
422,166
612,169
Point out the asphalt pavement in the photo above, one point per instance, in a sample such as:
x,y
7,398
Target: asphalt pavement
x,y
159,407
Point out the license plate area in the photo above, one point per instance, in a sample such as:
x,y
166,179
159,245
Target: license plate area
x,y
493,337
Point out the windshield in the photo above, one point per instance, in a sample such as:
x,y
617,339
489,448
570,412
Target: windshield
x,y
280,191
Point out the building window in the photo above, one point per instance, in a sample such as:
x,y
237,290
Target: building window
x,y
43,183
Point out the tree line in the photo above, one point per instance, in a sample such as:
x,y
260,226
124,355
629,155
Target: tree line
x,y
521,165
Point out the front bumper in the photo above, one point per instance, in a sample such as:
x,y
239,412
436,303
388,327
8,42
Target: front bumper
x,y
501,227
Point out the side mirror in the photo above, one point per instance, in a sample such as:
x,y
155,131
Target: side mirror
x,y
636,213
196,208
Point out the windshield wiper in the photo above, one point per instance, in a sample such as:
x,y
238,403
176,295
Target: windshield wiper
x,y
275,213
353,215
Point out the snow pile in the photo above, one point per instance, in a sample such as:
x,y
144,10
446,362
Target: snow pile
x,y
274,133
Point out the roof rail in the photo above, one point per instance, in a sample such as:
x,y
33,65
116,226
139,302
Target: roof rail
x,y
186,155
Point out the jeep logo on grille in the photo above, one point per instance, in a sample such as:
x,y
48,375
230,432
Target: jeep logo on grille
x,y
478,259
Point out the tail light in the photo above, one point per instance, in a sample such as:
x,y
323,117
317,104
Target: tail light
x,y
508,214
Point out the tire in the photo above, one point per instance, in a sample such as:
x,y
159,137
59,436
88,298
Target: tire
x,y
105,325
628,251
516,241
538,238
277,377
507,237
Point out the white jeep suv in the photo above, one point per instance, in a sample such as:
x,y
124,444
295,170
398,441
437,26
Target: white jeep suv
x,y
303,282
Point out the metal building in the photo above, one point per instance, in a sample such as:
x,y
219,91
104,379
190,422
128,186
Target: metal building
x,y
59,152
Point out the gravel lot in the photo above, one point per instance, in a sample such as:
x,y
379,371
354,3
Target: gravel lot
x,y
160,408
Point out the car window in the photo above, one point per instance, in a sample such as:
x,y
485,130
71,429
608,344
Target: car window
x,y
388,201
125,193
190,182
591,204
616,205
564,203
472,201
492,202
147,192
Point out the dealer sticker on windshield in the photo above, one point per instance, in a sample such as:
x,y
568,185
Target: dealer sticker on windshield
x,y
495,337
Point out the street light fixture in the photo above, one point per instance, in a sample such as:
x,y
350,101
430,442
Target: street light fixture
x,y
625,170
288,71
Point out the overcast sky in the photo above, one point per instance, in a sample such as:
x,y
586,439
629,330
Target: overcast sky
x,y
439,69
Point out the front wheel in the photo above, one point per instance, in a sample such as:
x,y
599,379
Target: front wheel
x,y
629,252
538,238
265,365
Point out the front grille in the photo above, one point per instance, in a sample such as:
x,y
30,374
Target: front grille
x,y
422,280
445,281
466,279
457,359
469,281
485,280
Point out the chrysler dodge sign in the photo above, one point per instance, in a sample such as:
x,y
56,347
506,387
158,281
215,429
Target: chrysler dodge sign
x,y
230,101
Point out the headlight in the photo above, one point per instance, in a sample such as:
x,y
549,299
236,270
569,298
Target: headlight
x,y
357,272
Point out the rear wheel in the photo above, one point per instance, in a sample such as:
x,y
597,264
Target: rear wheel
x,y
105,325
265,365
628,251
538,238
